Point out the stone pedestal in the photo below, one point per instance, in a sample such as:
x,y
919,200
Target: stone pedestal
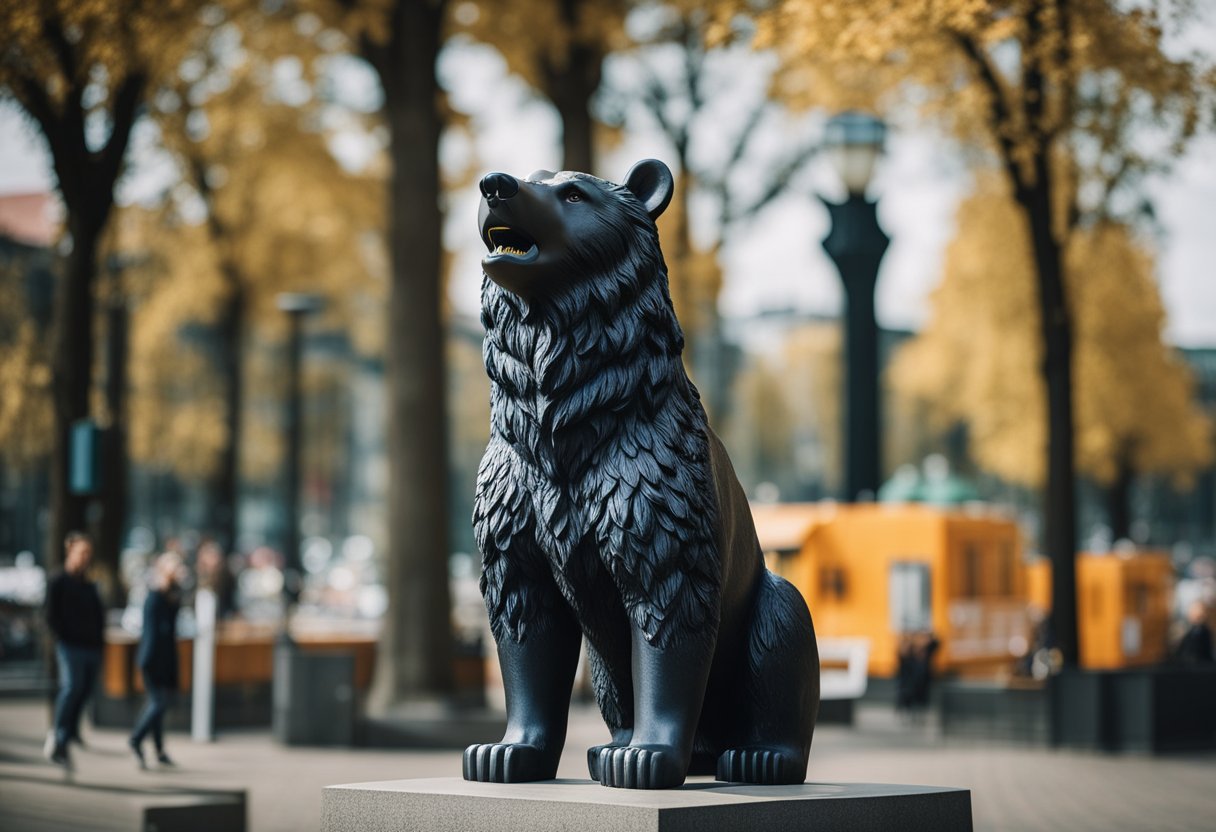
x,y
450,804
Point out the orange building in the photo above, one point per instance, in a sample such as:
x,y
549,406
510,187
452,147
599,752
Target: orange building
x,y
1123,606
882,571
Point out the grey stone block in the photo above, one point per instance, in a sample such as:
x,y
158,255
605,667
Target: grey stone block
x,y
450,804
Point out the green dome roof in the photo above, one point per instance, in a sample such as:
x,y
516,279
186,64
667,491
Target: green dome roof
x,y
938,486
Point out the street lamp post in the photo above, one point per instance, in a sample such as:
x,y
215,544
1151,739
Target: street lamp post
x,y
856,245
296,306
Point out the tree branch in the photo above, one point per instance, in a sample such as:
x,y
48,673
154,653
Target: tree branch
x,y
654,97
778,182
376,55
122,116
719,183
1033,81
56,127
62,49
1064,59
37,103
999,107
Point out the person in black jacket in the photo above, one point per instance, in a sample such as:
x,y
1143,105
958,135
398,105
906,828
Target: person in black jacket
x,y
1196,645
76,617
157,656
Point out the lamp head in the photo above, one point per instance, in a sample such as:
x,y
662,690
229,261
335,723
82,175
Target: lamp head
x,y
853,141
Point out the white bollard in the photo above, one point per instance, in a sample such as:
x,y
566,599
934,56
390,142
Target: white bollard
x,y
203,683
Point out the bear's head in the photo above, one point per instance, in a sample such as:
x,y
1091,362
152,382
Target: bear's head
x,y
551,230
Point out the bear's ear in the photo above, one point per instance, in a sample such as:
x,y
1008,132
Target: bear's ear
x,y
652,183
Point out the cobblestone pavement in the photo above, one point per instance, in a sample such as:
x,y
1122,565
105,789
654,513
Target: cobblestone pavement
x,y
1012,788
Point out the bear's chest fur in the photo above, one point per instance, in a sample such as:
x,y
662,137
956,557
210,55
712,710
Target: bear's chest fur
x,y
595,425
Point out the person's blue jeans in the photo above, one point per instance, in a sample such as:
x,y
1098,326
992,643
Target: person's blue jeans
x,y
151,719
78,668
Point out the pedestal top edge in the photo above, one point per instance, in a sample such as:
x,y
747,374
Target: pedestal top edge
x,y
696,792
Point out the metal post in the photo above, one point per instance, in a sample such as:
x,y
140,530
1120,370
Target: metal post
x,y
291,485
296,306
203,686
856,244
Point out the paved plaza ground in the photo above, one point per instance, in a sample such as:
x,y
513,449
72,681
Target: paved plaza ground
x,y
1012,788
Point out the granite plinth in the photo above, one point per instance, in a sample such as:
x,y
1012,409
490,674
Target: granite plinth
x,y
449,804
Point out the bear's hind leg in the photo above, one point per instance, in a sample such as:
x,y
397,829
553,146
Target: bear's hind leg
x,y
614,695
780,693
608,660
669,687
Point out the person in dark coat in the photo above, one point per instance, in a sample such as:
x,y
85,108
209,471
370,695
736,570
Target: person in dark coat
x,y
1196,645
926,646
157,656
915,674
76,617
905,676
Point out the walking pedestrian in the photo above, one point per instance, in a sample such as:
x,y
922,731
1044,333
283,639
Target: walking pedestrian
x,y
77,619
157,656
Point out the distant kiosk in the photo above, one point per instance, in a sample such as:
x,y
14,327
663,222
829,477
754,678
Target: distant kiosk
x,y
880,571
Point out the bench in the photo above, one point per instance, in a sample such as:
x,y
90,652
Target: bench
x,y
843,667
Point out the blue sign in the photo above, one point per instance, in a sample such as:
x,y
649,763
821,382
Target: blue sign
x,y
84,458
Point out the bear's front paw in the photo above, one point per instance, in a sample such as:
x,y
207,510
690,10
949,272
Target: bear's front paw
x,y
507,762
641,767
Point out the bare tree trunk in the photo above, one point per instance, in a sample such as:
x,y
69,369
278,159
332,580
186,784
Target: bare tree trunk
x,y
570,87
1059,508
571,95
114,464
1119,500
414,659
72,360
226,491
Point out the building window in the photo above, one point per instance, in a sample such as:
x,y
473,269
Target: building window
x,y
832,583
910,597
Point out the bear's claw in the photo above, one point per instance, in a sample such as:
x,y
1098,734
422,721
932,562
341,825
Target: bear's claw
x,y
635,767
763,766
504,762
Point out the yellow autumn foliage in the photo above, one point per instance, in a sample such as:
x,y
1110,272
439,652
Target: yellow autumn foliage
x,y
1007,76
536,37
978,359
65,43
278,214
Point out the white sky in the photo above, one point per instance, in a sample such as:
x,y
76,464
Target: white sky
x,y
774,262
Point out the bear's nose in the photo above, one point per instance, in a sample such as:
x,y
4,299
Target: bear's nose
x,y
498,186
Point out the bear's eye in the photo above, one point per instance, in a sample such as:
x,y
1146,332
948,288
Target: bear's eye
x,y
573,196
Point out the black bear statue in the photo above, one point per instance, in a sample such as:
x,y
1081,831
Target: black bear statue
x,y
606,508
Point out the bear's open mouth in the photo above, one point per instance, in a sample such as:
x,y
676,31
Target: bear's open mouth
x,y
510,242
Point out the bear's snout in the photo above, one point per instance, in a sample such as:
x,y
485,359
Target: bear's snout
x,y
496,187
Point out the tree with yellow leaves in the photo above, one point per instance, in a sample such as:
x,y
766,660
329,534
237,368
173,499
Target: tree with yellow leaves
x,y
80,69
1029,81
674,81
279,212
976,361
